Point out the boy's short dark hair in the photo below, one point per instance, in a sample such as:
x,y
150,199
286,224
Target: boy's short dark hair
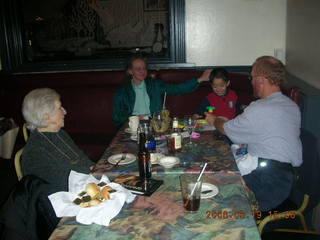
x,y
219,73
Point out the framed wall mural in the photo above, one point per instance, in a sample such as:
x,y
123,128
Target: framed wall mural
x,y
82,34
155,5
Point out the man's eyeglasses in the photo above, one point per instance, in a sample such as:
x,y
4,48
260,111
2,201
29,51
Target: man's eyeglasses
x,y
250,77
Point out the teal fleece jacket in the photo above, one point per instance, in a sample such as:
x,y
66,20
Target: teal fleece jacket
x,y
125,97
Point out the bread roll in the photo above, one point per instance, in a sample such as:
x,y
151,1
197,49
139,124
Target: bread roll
x,y
105,194
93,190
85,204
94,202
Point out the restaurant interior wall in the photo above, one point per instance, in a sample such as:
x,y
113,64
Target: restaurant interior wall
x,y
234,32
303,56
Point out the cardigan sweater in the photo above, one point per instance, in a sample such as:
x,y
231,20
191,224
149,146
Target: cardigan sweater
x,y
125,97
51,156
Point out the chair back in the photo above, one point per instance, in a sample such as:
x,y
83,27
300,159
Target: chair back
x,y
17,164
25,132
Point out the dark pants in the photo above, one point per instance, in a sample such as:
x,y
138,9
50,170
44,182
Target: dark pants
x,y
270,185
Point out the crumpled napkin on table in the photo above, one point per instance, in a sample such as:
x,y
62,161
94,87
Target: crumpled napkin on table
x,y
245,162
101,214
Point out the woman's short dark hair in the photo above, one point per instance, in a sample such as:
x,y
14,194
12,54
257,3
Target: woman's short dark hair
x,y
219,73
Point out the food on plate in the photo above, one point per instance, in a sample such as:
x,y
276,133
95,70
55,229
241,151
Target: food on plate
x,y
124,178
94,194
127,179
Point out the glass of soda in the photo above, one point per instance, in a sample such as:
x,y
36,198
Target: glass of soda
x,y
191,191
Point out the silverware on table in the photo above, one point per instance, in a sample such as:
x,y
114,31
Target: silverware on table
x,y
205,192
123,157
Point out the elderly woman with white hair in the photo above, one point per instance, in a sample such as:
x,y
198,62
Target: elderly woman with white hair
x,y
50,153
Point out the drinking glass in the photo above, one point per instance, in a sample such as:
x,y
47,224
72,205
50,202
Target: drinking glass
x,y
191,191
189,125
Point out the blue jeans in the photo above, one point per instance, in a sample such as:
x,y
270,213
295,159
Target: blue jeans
x,y
271,186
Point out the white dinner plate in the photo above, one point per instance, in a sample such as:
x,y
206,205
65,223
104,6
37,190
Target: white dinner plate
x,y
115,158
127,130
209,187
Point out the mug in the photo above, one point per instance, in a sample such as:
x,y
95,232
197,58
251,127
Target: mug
x,y
133,124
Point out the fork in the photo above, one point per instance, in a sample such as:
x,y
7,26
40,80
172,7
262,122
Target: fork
x,y
123,157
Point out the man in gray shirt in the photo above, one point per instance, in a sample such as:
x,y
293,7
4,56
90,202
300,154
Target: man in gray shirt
x,y
271,128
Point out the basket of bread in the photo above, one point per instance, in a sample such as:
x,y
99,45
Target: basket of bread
x,y
94,194
90,200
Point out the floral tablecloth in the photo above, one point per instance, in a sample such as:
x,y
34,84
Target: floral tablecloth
x,y
162,216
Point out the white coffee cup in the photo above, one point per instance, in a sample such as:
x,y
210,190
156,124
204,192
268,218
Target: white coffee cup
x,y
133,124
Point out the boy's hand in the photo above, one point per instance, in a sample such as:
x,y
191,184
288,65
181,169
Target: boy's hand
x,y
210,118
205,76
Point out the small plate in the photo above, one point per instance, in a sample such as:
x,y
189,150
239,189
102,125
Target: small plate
x,y
209,187
115,158
127,130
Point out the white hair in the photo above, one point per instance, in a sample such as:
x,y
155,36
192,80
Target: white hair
x,y
36,104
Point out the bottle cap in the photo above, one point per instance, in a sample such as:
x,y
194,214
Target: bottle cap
x,y
210,109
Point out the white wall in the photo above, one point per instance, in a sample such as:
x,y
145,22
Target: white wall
x,y
233,32
303,40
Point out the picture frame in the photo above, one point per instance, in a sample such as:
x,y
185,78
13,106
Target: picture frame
x,y
19,56
155,5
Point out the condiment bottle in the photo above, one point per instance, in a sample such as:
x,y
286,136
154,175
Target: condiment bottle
x,y
144,158
175,139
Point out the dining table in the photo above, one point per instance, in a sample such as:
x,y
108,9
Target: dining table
x,y
226,215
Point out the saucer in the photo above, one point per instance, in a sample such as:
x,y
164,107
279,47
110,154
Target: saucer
x,y
134,138
209,187
115,158
127,130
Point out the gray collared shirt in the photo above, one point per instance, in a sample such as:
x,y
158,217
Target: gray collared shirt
x,y
271,128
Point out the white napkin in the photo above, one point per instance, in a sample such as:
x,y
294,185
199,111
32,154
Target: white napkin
x,y
246,163
101,214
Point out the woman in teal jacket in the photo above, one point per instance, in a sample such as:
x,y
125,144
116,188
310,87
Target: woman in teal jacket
x,y
142,96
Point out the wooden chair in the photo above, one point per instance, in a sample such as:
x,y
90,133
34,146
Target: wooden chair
x,y
25,132
17,164
305,190
287,215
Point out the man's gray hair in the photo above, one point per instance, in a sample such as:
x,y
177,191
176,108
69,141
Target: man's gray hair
x,y
36,104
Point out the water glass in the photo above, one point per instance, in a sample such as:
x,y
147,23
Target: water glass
x,y
189,125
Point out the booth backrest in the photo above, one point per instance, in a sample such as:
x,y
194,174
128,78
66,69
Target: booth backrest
x,y
88,98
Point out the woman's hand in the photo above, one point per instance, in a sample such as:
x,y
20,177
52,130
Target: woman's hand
x,y
143,117
197,116
205,76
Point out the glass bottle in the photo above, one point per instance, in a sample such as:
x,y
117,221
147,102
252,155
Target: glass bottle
x,y
175,139
144,158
